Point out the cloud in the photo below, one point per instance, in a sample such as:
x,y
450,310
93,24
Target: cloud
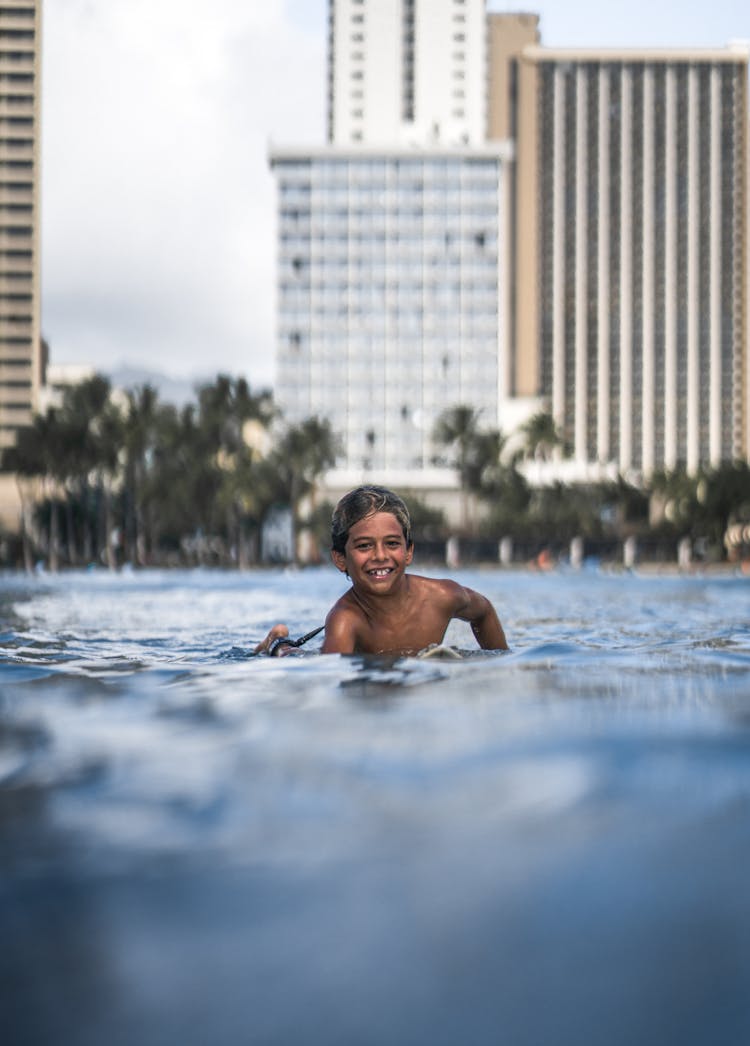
x,y
158,204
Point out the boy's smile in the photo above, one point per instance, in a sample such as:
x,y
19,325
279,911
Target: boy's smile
x,y
376,554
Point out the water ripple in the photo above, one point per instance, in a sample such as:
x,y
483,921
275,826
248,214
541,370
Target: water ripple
x,y
195,840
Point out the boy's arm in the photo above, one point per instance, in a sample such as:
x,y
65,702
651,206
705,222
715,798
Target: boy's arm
x,y
340,634
485,624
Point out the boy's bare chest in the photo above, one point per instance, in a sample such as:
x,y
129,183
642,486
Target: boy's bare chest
x,y
412,626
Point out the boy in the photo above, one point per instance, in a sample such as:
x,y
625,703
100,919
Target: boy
x,y
387,611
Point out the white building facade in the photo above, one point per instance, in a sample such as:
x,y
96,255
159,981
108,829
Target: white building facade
x,y
407,72
391,269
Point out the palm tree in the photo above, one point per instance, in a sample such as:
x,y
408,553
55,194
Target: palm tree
x,y
107,429
722,497
672,496
181,485
81,447
303,453
141,428
474,450
226,410
54,439
225,407
541,436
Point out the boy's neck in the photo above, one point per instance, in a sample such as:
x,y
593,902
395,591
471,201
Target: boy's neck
x,y
378,600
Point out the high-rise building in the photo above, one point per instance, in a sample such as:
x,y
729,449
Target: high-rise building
x,y
391,277
507,36
20,340
631,264
406,72
393,241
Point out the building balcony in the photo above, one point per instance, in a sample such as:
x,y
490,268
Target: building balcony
x,y
18,397
16,241
21,289
13,148
21,17
23,196
13,107
16,61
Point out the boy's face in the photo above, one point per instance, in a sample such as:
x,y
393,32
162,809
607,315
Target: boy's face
x,y
375,555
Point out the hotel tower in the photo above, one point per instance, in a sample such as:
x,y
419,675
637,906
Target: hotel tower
x,y
392,240
20,339
630,315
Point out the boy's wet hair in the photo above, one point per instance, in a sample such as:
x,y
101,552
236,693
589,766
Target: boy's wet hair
x,y
362,502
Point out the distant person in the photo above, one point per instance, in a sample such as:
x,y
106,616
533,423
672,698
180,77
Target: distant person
x,y
387,611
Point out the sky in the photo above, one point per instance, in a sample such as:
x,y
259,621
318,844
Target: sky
x,y
158,204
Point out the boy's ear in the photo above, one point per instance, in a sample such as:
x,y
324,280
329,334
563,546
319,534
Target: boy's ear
x,y
409,553
339,560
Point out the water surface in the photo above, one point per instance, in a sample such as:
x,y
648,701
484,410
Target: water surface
x,y
201,846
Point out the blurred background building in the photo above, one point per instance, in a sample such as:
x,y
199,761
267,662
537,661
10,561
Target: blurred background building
x,y
516,229
391,270
631,254
393,282
406,72
20,336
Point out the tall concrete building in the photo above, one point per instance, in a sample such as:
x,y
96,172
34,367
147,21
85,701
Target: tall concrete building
x,y
393,241
631,266
406,72
20,338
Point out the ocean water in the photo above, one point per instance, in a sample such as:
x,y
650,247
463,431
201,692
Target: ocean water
x,y
197,846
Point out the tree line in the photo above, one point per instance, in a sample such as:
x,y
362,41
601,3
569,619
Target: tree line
x,y
109,477
666,507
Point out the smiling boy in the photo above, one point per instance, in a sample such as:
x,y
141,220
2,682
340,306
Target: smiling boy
x,y
387,611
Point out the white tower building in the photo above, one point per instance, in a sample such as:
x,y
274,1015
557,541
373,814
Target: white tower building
x,y
407,72
393,242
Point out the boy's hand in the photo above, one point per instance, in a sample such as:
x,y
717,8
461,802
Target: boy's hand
x,y
277,632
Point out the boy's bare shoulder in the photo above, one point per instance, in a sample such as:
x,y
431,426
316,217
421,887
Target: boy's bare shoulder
x,y
343,625
442,590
